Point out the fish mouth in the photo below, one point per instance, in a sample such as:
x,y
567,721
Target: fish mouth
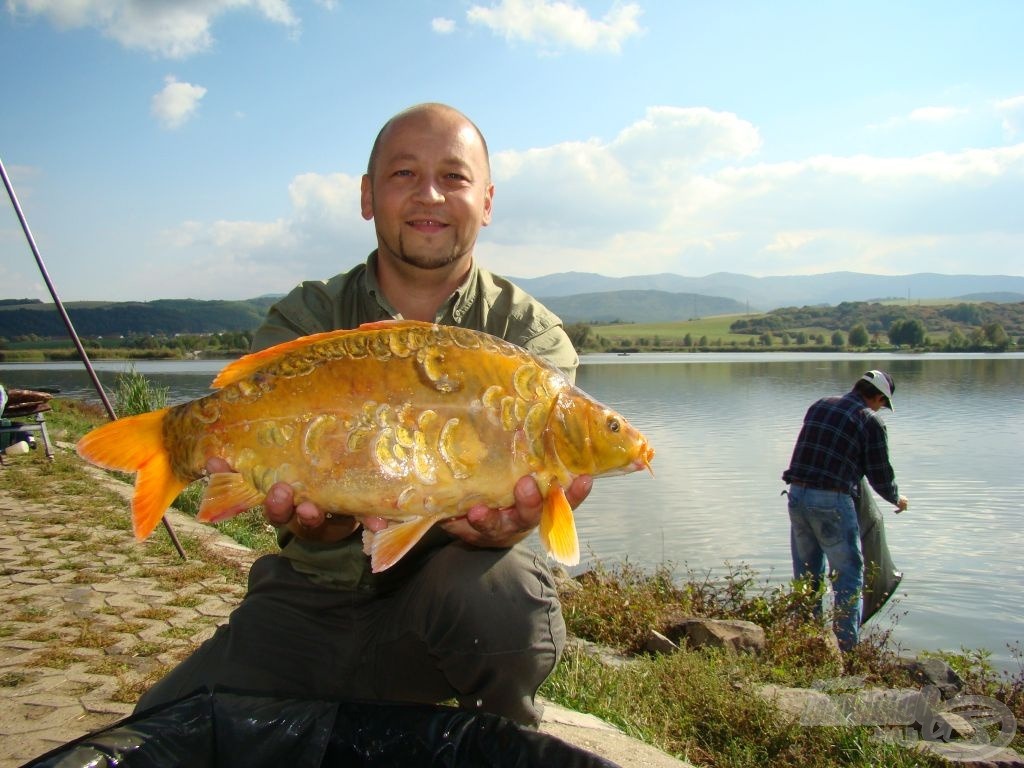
x,y
643,461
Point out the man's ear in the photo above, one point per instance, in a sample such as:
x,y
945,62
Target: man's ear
x,y
366,197
488,204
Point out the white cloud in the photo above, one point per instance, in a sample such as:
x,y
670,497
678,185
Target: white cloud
x,y
559,25
1012,111
322,235
171,28
442,26
176,103
677,190
935,114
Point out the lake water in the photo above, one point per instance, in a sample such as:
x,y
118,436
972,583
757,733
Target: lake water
x,y
723,426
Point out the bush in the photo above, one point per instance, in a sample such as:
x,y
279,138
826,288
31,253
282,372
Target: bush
x,y
135,394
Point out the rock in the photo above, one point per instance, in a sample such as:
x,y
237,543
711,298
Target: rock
x,y
731,634
973,755
564,583
658,643
914,719
932,671
600,653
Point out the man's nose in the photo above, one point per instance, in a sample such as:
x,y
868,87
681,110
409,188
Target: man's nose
x,y
429,191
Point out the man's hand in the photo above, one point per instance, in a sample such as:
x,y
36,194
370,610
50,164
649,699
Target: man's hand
x,y
486,527
902,504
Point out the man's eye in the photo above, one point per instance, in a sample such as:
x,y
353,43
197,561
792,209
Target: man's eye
x,y
402,172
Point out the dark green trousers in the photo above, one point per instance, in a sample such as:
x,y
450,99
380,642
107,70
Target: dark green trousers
x,y
481,626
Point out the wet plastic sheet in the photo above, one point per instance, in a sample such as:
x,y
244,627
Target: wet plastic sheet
x,y
238,730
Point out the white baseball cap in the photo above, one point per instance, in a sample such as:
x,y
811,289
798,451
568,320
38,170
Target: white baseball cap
x,y
883,382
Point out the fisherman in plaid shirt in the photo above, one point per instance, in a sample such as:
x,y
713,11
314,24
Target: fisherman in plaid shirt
x,y
841,441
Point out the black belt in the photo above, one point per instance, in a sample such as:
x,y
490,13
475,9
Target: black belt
x,y
820,487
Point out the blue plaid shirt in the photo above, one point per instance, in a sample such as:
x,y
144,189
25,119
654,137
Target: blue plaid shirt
x,y
841,441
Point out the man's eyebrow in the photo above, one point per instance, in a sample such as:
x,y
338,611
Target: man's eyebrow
x,y
406,157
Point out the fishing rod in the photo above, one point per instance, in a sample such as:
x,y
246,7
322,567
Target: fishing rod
x,y
70,327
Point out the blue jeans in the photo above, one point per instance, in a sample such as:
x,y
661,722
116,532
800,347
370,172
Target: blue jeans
x,y
824,525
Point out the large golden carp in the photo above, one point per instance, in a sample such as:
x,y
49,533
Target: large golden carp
x,y
404,420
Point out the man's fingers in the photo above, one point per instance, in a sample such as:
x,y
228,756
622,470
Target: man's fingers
x,y
278,506
309,515
216,465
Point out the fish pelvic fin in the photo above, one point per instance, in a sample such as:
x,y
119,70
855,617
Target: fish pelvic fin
x,y
558,528
388,546
227,494
136,444
249,364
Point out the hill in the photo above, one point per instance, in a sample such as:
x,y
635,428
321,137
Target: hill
x,y
163,317
767,293
577,297
638,307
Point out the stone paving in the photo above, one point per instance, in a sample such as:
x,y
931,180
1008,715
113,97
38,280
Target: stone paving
x,y
89,618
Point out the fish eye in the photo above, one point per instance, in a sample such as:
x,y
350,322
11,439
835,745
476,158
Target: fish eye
x,y
613,424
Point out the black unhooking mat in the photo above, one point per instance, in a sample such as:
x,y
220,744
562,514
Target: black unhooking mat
x,y
239,730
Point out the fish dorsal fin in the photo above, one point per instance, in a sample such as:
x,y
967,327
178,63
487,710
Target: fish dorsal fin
x,y
249,364
386,547
558,528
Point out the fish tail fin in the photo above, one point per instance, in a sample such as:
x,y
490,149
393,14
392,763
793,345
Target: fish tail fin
x,y
386,547
136,444
558,528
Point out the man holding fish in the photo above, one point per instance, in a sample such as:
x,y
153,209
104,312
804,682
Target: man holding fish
x,y
461,609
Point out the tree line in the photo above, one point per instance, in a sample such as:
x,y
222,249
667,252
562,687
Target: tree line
x,y
860,324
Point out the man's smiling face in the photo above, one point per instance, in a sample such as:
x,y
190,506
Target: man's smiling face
x,y
428,189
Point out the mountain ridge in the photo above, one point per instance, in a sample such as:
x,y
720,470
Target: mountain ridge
x,y
763,294
591,298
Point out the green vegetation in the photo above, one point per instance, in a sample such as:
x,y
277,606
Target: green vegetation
x,y
166,317
704,705
169,329
985,327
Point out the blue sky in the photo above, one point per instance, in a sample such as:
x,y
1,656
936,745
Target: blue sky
x,y
213,148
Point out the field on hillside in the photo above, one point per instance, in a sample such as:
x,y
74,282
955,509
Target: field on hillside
x,y
709,332
668,334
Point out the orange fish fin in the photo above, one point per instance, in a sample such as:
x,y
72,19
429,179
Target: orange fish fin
x,y
125,444
136,444
558,528
387,547
155,490
249,364
227,495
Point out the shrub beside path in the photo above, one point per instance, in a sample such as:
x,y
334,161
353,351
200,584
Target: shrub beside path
x,y
89,618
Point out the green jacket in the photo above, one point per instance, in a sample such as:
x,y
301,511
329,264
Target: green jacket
x,y
484,302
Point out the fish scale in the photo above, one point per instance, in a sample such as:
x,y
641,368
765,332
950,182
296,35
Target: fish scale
x,y
412,422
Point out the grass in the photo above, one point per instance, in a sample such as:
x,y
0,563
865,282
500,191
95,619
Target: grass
x,y
700,705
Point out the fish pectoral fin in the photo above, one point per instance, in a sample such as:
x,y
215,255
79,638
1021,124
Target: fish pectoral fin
x,y
388,546
227,495
558,528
